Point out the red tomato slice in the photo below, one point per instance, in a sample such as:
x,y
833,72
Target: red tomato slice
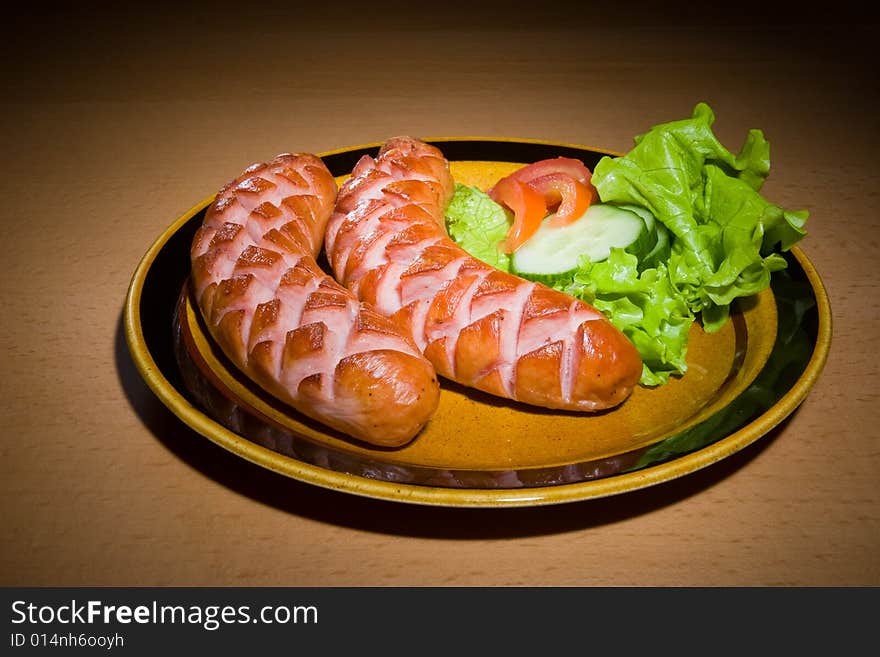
x,y
528,208
567,165
568,196
561,184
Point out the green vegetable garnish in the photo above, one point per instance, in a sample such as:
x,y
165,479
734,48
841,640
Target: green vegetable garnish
x,y
644,305
478,224
715,237
725,233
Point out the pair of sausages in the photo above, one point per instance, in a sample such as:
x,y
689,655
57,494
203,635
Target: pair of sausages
x,y
361,351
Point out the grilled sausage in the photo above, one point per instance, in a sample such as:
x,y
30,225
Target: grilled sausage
x,y
387,242
287,324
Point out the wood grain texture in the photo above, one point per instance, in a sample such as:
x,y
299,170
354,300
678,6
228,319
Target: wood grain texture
x,y
117,126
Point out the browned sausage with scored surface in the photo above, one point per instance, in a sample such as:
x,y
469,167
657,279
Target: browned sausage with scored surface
x,y
484,328
287,324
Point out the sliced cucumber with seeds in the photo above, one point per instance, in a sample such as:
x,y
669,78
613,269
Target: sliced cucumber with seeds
x,y
552,253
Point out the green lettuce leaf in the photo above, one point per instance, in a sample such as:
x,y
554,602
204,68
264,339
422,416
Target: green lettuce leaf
x,y
478,224
725,234
643,305
724,238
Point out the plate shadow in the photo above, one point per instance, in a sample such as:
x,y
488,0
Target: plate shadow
x,y
386,517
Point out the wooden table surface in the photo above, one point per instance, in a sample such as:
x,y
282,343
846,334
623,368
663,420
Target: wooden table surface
x,y
115,122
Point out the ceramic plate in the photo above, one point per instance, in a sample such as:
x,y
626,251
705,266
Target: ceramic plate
x,y
478,450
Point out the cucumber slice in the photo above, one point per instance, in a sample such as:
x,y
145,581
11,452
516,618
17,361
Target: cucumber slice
x,y
552,253
644,213
660,252
660,244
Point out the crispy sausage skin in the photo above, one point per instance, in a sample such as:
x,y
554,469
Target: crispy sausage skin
x,y
288,325
484,328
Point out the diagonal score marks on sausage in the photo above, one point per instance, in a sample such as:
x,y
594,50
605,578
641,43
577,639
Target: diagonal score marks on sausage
x,y
290,326
387,241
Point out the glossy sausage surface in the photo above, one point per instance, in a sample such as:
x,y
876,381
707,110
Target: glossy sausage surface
x,y
484,328
291,327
